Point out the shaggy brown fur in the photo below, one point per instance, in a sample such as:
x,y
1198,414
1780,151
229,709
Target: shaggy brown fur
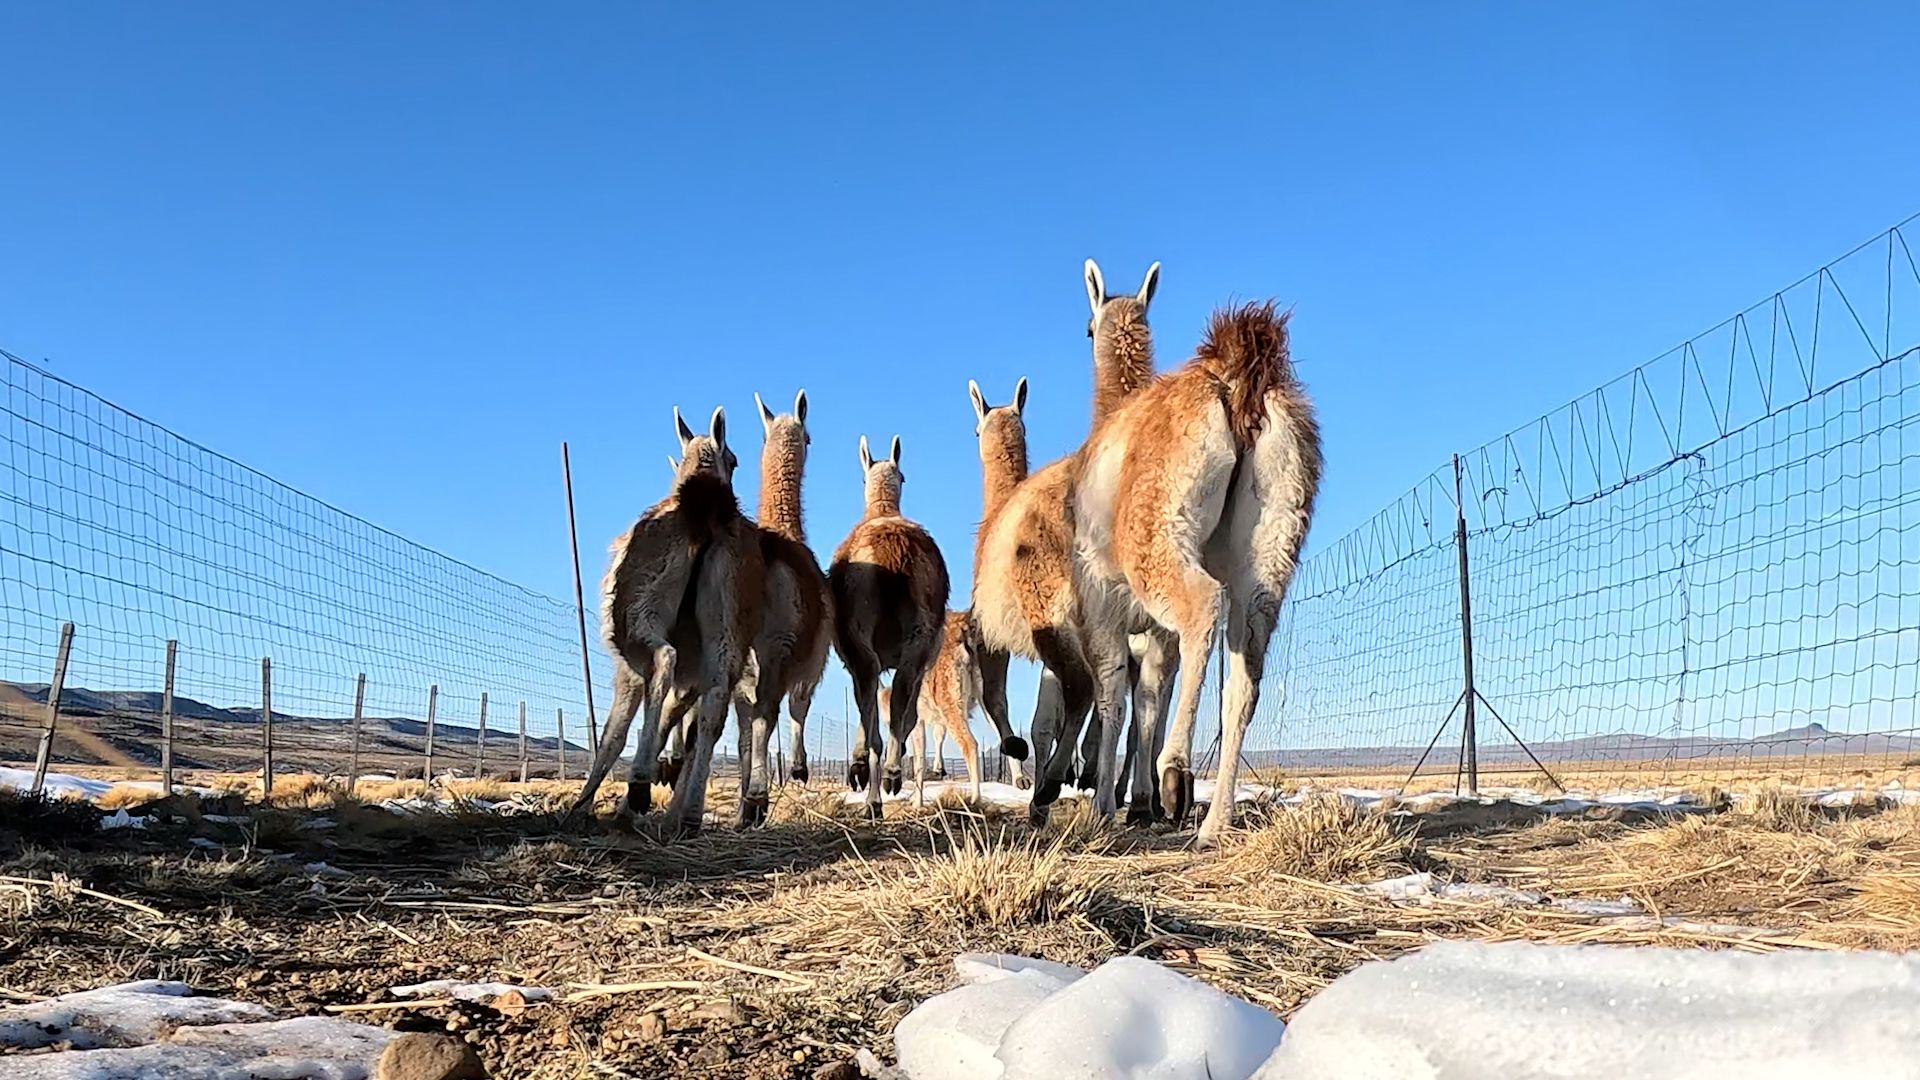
x,y
1196,494
946,702
681,602
889,590
1025,596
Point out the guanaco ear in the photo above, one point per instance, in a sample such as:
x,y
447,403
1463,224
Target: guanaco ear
x,y
866,456
800,406
1020,396
979,402
717,427
766,414
1096,286
1149,285
896,451
686,433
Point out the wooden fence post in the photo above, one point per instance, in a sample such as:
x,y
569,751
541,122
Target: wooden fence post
x,y
44,755
523,742
560,728
166,723
359,710
433,703
266,728
480,745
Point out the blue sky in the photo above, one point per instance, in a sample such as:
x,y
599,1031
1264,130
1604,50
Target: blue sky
x,y
394,256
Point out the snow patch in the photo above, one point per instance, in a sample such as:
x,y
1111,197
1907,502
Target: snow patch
x,y
1521,1011
1021,1019
154,1030
480,992
120,819
123,1015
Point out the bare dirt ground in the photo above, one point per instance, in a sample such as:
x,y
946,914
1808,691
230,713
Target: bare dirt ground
x,y
781,952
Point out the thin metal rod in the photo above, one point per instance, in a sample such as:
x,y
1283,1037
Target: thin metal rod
x,y
166,722
1537,763
1433,742
44,755
1469,737
560,729
579,596
359,711
266,726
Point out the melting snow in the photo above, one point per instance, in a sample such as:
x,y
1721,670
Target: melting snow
x,y
1020,1019
1520,1011
116,1016
155,1031
469,991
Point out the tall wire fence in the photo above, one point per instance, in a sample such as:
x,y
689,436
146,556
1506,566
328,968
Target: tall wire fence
x,y
1706,564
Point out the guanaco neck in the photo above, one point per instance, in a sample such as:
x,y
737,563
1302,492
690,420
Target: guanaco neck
x,y
781,465
883,497
1003,464
1122,356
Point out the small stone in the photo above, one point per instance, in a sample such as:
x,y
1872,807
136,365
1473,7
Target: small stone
x,y
714,1053
511,1003
652,1027
726,1012
839,1070
420,1056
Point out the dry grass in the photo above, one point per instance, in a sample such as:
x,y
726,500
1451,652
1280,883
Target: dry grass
x,y
829,927
1324,838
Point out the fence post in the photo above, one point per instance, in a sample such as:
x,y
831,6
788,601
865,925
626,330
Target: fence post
x,y
523,742
433,703
44,755
480,745
1469,738
353,754
166,723
266,729
560,729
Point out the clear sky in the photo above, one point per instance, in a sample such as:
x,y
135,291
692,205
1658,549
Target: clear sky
x,y
394,255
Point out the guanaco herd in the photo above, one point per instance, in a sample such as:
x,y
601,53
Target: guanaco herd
x,y
1111,567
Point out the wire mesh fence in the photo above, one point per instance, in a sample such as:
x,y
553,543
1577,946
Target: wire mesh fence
x,y
139,537
1706,564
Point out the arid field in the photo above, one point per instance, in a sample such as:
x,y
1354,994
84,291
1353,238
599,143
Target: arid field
x,y
784,951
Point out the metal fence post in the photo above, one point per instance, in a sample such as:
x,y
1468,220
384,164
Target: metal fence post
x,y
433,703
166,722
266,728
560,736
44,755
480,744
1469,738
359,710
523,742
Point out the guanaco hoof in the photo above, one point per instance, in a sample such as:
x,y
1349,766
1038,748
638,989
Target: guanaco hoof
x,y
1176,792
1047,792
1139,814
753,811
1014,747
937,774
1089,777
669,769
857,776
1023,782
890,782
798,773
873,810
1037,816
639,796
